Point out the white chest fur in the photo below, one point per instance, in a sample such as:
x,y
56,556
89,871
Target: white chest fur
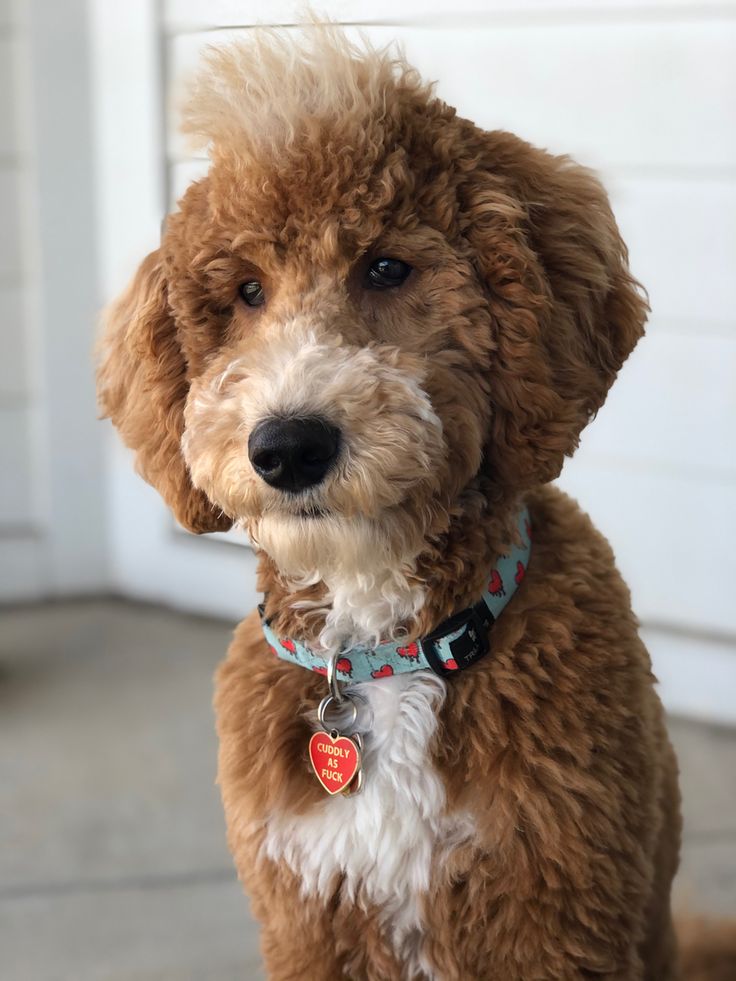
x,y
383,841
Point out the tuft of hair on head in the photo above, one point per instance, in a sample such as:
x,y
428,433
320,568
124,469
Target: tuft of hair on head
x,y
274,91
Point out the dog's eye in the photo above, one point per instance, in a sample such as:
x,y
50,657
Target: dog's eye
x,y
252,293
385,273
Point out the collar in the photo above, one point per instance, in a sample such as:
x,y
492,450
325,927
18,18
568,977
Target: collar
x,y
455,644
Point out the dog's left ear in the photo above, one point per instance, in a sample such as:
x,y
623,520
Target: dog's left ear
x,y
565,310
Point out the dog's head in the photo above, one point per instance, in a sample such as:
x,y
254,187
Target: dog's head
x,y
367,305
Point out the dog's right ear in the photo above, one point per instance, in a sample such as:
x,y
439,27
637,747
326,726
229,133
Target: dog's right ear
x,y
142,386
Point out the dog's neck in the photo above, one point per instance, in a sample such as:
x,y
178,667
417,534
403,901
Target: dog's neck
x,y
406,601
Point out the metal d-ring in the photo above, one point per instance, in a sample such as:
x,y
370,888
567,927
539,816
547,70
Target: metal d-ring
x,y
325,704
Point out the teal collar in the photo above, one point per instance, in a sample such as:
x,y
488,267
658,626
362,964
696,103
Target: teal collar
x,y
455,644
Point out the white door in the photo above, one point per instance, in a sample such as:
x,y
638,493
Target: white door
x,y
645,99
152,558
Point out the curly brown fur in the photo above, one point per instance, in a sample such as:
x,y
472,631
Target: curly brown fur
x,y
545,799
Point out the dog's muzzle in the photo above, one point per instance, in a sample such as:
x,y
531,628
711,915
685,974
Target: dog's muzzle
x,y
293,454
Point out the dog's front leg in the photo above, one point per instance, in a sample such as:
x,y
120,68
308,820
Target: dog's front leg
x,y
305,939
563,893
534,934
299,949
557,884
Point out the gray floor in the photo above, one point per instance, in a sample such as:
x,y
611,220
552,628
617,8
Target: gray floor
x,y
113,862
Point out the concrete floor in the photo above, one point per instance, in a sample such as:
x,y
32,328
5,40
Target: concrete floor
x,y
113,862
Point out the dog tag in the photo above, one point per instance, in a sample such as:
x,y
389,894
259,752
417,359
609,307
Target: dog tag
x,y
335,760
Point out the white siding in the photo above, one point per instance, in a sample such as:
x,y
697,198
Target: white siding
x,y
681,233
188,15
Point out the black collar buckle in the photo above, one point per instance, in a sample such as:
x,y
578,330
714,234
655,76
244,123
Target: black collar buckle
x,y
472,644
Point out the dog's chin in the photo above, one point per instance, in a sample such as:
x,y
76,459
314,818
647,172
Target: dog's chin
x,y
311,514
303,542
317,543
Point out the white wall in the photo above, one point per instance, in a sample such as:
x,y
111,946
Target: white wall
x,y
52,502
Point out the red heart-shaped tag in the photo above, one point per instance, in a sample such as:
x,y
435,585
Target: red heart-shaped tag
x,y
335,761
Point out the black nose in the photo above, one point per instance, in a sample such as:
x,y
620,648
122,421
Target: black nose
x,y
293,454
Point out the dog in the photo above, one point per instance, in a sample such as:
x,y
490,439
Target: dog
x,y
371,335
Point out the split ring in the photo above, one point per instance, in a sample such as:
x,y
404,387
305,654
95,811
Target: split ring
x,y
326,702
